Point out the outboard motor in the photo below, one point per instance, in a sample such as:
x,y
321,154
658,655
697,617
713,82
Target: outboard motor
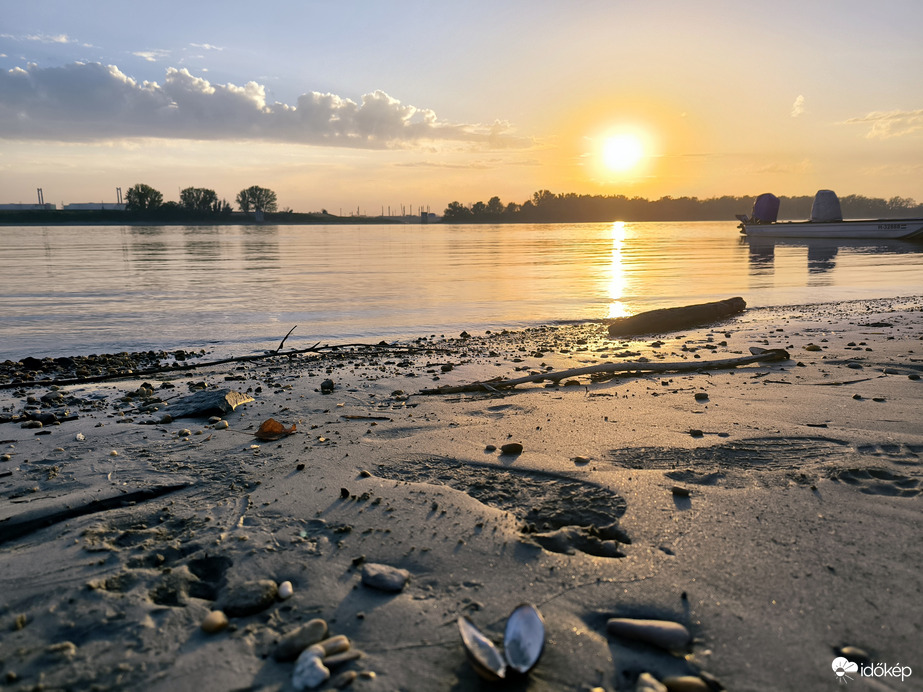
x,y
766,208
826,207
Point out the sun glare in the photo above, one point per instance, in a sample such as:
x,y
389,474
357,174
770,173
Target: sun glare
x,y
622,153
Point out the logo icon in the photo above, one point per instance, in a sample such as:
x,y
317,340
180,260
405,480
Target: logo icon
x,y
842,666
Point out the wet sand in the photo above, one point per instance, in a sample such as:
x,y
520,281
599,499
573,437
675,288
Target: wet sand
x,y
776,515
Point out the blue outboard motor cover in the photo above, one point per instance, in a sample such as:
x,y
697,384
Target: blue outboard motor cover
x,y
766,208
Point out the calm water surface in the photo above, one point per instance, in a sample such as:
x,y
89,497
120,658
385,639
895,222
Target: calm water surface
x,y
94,289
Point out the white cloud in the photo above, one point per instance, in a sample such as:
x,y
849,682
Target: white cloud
x,y
884,125
95,102
151,55
798,106
205,46
44,38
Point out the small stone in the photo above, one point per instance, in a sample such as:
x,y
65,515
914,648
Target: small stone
x,y
855,654
680,491
490,448
384,577
686,683
648,683
701,396
310,671
80,437
31,424
663,633
214,622
812,347
696,433
221,425
293,643
327,387
114,453
344,679
286,590
511,448
249,598
581,460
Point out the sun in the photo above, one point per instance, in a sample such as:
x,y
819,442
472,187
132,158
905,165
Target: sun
x,y
621,153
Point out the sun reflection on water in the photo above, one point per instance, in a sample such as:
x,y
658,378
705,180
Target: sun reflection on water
x,y
617,279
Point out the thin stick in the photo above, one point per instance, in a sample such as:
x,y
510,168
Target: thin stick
x,y
767,355
285,337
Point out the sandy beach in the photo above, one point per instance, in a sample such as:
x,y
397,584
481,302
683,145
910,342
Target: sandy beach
x,y
773,509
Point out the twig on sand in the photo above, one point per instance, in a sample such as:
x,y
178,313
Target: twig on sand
x,y
279,348
759,356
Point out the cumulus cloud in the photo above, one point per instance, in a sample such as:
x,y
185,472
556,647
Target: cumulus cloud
x,y
95,102
205,46
798,106
887,124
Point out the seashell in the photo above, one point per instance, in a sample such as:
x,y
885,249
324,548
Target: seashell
x,y
483,655
523,643
524,638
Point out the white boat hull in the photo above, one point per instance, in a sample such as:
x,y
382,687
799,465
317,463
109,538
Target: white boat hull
x,y
881,229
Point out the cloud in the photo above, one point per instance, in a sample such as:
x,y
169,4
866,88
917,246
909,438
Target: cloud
x,y
884,125
151,55
798,106
205,46
44,38
96,102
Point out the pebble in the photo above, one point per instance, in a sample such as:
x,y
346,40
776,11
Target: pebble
x,y
249,598
80,437
855,654
581,460
310,671
663,633
384,577
680,491
327,387
686,683
648,683
221,425
286,590
344,679
293,643
215,621
114,453
511,448
701,396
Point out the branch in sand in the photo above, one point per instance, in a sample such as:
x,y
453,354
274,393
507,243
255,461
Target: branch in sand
x,y
759,356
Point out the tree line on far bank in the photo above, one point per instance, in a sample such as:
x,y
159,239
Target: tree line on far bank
x,y
198,202
548,207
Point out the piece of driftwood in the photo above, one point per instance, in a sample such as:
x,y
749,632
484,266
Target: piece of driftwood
x,y
672,319
208,402
759,355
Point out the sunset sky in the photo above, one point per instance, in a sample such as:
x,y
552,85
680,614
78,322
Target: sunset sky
x,y
373,104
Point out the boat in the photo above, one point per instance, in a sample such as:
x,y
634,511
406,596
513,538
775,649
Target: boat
x,y
826,222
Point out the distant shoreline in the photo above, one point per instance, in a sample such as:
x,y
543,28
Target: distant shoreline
x,y
121,218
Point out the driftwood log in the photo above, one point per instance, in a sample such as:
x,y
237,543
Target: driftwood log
x,y
759,355
672,319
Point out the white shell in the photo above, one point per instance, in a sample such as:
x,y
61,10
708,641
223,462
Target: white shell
x,y
485,659
524,638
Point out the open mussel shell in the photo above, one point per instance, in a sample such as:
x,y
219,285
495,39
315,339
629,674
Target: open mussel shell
x,y
483,655
523,643
524,638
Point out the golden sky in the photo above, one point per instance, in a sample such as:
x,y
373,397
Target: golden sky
x,y
374,105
